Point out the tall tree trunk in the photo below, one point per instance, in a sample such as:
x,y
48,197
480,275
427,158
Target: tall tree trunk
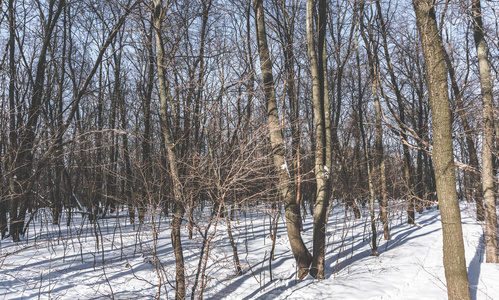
x,y
338,94
443,160
401,118
128,180
287,40
488,135
12,116
146,142
59,157
321,177
477,193
24,161
287,190
379,161
177,187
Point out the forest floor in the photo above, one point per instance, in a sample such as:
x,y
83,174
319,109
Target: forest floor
x,y
114,259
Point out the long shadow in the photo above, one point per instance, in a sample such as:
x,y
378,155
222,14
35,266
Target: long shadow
x,y
401,238
272,294
474,267
252,271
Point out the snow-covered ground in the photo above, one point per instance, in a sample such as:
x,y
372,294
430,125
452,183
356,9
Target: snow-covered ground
x,y
112,259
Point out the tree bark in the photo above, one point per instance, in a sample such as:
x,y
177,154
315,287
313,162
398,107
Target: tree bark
x,y
443,160
488,135
321,177
371,47
287,190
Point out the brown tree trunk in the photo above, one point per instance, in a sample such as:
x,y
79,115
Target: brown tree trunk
x,y
401,118
443,160
477,193
24,161
321,177
287,190
177,187
12,117
488,135
59,154
371,47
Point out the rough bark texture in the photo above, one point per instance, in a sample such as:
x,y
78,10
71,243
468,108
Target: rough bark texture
x,y
287,190
488,135
443,160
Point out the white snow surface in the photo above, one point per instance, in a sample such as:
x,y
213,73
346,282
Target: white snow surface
x,y
60,262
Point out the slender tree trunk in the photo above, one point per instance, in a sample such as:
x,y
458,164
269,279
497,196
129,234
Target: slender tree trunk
x,y
287,190
12,117
443,160
488,135
177,187
477,193
379,161
25,156
321,177
287,39
59,157
146,142
239,270
398,95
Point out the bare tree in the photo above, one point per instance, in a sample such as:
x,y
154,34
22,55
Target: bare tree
x,y
315,53
287,190
488,134
443,160
159,13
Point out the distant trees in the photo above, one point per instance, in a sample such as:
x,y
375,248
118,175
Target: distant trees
x,y
174,106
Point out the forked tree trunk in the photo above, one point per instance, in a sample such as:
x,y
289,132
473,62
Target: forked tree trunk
x,y
443,160
488,135
287,190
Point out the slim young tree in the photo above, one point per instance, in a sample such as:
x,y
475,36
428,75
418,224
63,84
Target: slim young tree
x,y
164,94
25,159
401,117
371,48
477,193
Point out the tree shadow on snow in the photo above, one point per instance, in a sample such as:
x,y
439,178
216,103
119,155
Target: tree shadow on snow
x,y
474,267
253,271
402,236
